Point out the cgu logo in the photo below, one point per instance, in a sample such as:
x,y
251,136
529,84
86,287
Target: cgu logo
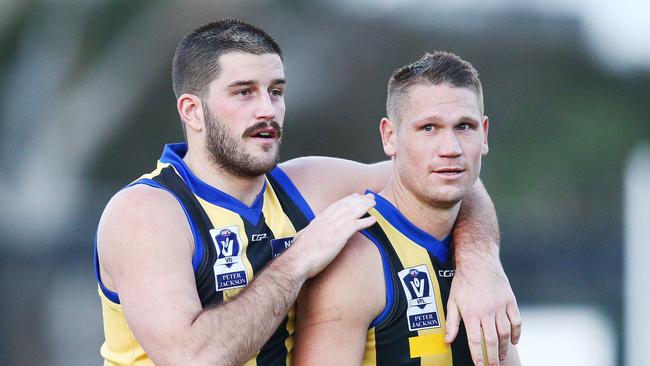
x,y
447,273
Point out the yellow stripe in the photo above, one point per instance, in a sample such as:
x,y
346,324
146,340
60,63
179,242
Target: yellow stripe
x,y
276,219
370,354
428,344
159,166
281,227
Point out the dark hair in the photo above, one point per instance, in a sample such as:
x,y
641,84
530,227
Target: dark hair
x,y
433,68
196,61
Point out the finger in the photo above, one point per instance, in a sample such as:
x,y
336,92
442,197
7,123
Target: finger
x,y
452,321
515,321
491,340
359,208
503,329
365,222
475,340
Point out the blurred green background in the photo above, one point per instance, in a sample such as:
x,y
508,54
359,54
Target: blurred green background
x,y
86,104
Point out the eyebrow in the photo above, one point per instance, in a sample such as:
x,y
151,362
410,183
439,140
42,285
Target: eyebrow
x,y
253,82
461,119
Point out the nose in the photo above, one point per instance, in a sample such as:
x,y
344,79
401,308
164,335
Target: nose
x,y
450,145
265,109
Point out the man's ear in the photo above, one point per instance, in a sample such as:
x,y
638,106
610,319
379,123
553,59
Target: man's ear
x,y
486,126
388,132
190,109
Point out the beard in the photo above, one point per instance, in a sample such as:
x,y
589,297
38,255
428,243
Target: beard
x,y
229,153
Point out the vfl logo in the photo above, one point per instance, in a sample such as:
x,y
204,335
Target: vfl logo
x,y
422,310
227,246
229,271
418,284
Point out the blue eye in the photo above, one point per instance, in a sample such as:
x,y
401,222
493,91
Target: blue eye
x,y
428,128
244,92
464,126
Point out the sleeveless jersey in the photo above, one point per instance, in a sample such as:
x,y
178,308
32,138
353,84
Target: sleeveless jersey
x,y
232,243
418,271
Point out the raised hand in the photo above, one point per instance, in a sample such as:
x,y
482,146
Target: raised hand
x,y
326,235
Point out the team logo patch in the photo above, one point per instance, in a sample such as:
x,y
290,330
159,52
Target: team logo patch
x,y
280,245
229,270
422,312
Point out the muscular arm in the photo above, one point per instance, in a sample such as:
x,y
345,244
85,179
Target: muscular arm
x,y
480,292
334,312
323,180
145,249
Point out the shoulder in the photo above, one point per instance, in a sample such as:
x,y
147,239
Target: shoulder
x,y
137,221
323,180
352,284
140,206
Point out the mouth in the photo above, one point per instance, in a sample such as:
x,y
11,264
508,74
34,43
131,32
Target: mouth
x,y
449,171
264,130
265,133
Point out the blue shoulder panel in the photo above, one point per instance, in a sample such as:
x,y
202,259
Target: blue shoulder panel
x,y
387,278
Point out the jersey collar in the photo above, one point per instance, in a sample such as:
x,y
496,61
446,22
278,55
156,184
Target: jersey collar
x,y
173,154
439,248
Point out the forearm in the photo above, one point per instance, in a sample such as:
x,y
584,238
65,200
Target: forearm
x,y
480,292
476,233
233,332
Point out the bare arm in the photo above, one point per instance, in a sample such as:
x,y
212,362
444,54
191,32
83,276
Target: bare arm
x,y
323,180
145,248
480,292
334,312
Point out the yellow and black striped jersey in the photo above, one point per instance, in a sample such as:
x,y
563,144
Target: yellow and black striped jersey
x,y
232,243
418,270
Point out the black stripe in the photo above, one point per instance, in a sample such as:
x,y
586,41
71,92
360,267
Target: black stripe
x,y
258,252
204,275
460,348
274,352
298,219
391,336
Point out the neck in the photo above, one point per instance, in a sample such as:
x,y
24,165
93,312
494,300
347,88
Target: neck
x,y
244,189
437,220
